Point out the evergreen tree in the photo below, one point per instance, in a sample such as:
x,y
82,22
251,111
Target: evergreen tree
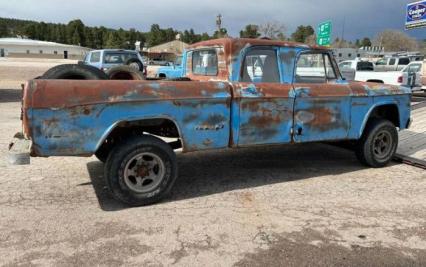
x,y
366,42
302,32
250,31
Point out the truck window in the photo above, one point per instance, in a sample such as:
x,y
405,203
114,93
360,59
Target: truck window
x,y
365,66
118,57
95,57
204,62
404,61
260,66
345,65
311,68
392,61
381,62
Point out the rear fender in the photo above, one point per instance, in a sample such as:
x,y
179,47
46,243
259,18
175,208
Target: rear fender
x,y
110,129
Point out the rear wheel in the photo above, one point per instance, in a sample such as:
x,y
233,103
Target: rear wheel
x,y
124,73
378,144
74,72
135,64
141,171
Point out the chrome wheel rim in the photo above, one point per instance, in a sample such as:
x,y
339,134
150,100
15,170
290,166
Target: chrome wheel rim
x,y
382,145
144,172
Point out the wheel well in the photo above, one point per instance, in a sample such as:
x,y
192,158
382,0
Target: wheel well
x,y
388,112
125,129
375,81
162,75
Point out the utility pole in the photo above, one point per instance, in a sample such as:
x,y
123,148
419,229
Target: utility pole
x,y
219,24
343,32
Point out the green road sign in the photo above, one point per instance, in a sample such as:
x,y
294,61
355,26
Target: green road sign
x,y
324,33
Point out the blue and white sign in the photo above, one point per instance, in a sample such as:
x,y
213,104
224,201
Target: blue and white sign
x,y
416,15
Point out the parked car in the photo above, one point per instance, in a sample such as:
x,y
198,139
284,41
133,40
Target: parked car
x,y
109,58
392,63
173,71
414,75
297,96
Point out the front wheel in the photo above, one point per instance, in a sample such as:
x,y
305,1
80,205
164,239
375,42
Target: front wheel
x,y
141,171
378,144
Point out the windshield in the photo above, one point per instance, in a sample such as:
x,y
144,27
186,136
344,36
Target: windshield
x,y
118,57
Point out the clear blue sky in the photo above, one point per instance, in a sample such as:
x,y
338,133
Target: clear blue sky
x,y
362,17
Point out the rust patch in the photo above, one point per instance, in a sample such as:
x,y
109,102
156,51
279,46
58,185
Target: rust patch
x,y
75,93
215,119
207,142
324,90
190,118
51,122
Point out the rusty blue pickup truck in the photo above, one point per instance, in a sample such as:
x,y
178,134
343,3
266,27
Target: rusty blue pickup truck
x,y
236,93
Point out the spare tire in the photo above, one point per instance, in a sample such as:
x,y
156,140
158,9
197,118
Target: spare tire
x,y
135,63
124,73
74,72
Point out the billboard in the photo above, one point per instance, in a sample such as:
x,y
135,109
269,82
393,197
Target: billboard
x,y
416,15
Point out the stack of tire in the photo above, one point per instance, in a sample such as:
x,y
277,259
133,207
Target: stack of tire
x,y
131,71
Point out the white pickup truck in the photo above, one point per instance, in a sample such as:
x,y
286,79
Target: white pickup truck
x,y
364,71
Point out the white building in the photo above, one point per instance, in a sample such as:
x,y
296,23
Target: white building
x,y
16,47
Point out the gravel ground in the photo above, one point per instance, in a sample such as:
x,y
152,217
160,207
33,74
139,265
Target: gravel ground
x,y
304,205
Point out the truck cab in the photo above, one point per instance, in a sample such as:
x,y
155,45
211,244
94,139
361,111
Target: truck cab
x,y
392,63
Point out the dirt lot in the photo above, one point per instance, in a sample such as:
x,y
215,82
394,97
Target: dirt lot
x,y
309,205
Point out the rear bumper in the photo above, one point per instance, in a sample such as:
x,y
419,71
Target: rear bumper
x,y
19,150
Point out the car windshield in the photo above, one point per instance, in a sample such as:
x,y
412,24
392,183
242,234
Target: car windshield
x,y
118,57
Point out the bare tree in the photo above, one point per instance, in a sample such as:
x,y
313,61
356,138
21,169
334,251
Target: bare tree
x,y
393,40
273,30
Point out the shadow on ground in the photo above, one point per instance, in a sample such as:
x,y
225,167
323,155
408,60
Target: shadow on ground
x,y
10,95
207,173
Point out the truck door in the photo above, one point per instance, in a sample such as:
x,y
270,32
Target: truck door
x,y
264,98
392,65
322,104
